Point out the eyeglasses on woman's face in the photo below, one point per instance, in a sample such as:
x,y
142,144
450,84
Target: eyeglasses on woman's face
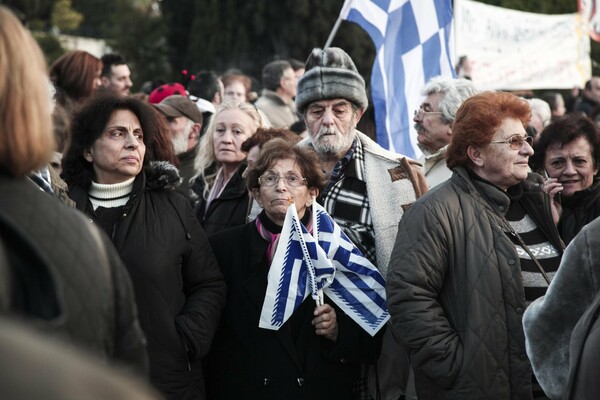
x,y
515,141
291,180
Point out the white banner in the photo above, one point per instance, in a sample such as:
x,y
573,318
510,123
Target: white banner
x,y
516,50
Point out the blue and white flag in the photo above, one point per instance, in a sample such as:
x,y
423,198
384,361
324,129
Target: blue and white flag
x,y
326,262
413,42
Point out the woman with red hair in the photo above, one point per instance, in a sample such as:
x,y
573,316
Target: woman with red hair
x,y
75,75
469,257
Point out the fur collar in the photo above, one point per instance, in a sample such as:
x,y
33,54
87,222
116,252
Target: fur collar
x,y
162,175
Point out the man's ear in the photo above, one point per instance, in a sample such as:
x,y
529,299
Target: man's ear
x,y
105,81
359,114
476,155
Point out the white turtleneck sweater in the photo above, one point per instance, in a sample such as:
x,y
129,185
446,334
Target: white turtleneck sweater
x,y
110,195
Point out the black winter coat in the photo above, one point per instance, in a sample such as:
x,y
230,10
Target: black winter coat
x,y
179,289
251,363
68,279
455,290
226,211
579,210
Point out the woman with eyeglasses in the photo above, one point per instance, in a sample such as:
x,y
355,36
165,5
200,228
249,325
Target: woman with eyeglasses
x,y
470,255
317,353
218,189
568,153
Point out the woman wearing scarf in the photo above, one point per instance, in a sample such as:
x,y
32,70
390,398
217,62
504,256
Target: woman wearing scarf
x,y
316,353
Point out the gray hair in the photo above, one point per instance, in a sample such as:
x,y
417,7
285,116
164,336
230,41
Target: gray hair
x,y
453,91
542,109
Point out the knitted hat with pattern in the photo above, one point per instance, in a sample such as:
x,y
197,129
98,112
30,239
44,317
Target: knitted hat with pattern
x,y
330,74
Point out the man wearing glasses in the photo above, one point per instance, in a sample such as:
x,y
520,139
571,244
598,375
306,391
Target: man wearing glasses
x,y
433,123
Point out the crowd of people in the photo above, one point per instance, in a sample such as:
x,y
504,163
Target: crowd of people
x,y
138,232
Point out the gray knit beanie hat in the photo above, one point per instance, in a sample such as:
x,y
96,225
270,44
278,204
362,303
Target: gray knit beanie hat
x,y
330,74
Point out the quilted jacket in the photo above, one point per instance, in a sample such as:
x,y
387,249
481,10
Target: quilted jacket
x,y
455,291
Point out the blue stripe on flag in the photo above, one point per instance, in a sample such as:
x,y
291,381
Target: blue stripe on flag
x,y
391,81
431,49
373,32
353,303
283,288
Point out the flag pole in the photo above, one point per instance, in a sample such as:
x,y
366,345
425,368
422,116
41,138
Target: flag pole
x,y
337,24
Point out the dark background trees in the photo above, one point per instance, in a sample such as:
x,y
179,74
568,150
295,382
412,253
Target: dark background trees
x,y
163,37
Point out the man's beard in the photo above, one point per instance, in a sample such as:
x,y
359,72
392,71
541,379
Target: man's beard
x,y
340,141
180,143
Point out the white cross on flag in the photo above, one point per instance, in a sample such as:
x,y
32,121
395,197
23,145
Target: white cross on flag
x,y
326,262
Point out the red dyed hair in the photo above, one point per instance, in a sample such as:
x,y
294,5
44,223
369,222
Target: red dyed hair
x,y
74,72
477,120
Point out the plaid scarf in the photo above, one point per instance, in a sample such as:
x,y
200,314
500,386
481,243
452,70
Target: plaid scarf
x,y
346,200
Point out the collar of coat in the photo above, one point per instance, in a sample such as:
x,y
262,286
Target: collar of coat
x,y
161,175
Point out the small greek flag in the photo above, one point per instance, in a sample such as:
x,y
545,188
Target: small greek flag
x,y
324,263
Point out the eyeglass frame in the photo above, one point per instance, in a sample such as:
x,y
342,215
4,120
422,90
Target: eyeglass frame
x,y
303,180
525,138
421,113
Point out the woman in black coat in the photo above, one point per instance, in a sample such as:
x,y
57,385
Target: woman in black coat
x,y
179,289
316,354
219,191
568,154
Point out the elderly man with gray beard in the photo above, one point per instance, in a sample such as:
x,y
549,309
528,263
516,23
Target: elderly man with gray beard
x,y
369,187
185,125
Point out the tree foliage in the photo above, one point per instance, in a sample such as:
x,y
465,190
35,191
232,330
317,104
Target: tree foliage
x,y
64,17
247,34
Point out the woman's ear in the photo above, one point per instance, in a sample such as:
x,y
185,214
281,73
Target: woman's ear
x,y
256,195
314,192
476,155
87,154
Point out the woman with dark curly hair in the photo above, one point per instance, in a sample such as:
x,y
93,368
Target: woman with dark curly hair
x,y
178,286
568,153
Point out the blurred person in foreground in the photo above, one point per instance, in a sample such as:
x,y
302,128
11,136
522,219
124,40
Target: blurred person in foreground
x,y
568,153
368,188
562,337
65,277
179,289
316,353
471,255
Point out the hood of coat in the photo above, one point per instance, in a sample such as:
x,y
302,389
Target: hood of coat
x,y
162,175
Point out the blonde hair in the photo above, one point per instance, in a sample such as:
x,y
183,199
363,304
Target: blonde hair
x,y
206,157
26,138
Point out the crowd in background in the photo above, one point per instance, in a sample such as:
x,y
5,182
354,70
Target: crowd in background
x,y
138,230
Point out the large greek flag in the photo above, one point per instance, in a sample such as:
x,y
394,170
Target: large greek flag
x,y
413,43
324,263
